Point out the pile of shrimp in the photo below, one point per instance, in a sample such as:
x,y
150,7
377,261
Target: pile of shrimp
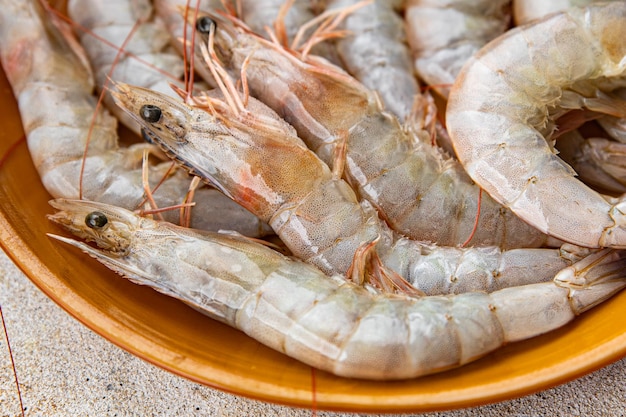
x,y
409,171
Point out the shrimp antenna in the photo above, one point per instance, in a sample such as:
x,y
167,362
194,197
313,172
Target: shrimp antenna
x,y
327,22
17,383
185,208
279,23
146,183
222,78
58,16
475,227
189,70
96,112
238,8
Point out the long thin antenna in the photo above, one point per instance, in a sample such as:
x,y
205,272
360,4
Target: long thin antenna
x,y
17,384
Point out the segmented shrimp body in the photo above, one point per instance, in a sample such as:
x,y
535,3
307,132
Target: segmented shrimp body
x,y
420,191
375,52
53,87
330,323
502,109
254,157
443,35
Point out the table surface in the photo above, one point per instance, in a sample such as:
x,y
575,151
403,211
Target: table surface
x,y
65,369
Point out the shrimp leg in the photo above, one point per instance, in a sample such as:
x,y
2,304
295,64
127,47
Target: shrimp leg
x,y
599,162
180,31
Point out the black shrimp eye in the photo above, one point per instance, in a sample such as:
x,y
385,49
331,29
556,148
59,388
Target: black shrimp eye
x,y
204,24
96,220
150,113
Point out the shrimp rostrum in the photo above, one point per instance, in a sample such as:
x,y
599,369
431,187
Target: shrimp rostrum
x,y
330,323
502,111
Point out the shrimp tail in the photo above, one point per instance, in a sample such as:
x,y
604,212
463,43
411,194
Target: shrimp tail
x,y
615,235
588,283
593,279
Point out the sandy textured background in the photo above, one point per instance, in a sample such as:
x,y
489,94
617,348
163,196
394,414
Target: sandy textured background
x,y
65,369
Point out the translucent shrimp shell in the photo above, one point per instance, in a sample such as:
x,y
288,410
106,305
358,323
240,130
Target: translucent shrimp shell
x,y
502,109
328,322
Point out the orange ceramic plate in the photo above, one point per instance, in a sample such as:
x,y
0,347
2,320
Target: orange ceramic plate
x,y
177,338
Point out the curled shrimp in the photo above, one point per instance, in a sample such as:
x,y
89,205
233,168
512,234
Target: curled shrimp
x,y
598,161
418,189
375,52
443,35
254,156
328,322
76,153
501,115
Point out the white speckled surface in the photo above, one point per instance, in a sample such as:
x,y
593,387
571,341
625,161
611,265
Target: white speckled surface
x,y
65,369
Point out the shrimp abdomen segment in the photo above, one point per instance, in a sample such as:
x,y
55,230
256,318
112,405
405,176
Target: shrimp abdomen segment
x,y
502,109
325,226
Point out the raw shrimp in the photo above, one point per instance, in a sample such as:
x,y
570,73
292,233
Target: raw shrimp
x,y
53,87
330,323
420,191
501,111
444,34
148,60
254,157
375,52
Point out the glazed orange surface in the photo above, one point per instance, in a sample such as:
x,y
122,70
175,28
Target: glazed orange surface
x,y
175,337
